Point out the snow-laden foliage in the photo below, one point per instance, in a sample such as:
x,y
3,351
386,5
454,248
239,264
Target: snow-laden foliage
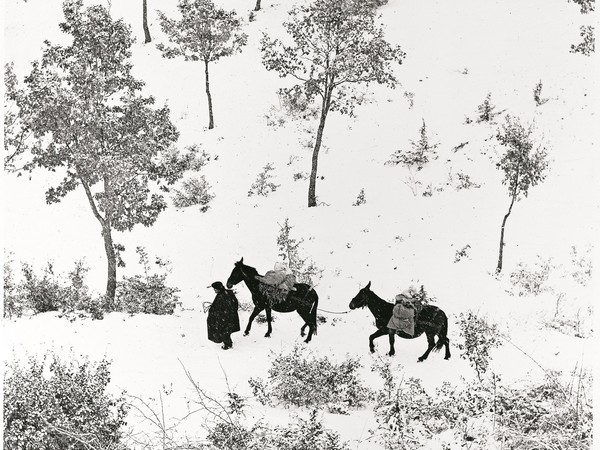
x,y
194,191
147,293
486,111
479,339
587,46
305,269
302,379
422,152
57,405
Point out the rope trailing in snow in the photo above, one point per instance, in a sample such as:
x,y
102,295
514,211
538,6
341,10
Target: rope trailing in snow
x,y
333,312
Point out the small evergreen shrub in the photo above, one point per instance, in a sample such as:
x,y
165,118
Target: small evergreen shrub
x,y
465,182
361,199
301,379
58,405
588,44
486,111
263,186
531,280
194,191
479,339
304,269
147,293
422,152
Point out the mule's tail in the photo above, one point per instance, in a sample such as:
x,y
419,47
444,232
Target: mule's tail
x,y
313,312
443,334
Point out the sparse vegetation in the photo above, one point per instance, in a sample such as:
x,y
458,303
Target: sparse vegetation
x,y
462,253
537,94
263,186
486,111
531,280
422,151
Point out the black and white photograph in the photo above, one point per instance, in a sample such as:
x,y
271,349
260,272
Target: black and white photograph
x,y
299,225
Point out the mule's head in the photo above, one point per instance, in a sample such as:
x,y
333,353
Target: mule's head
x,y
361,299
237,274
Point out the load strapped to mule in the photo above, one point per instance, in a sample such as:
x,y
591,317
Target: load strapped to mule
x,y
276,284
408,306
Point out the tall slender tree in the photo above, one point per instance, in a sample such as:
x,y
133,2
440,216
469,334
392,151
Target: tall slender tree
x,y
336,45
90,122
147,37
523,167
204,33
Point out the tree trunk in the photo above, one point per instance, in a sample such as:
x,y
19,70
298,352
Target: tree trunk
x,y
145,22
211,123
501,251
257,7
111,283
312,187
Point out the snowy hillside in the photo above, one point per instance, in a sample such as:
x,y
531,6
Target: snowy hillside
x,y
456,53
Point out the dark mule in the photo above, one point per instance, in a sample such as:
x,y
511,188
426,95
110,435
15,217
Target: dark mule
x,y
303,300
431,320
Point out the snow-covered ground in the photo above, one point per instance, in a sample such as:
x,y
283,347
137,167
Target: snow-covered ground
x,y
457,52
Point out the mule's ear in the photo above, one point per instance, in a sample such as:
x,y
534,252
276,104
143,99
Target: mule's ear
x,y
368,286
242,260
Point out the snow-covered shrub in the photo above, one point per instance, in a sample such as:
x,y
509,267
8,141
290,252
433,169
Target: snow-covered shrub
x,y
361,199
305,434
60,405
531,280
588,44
263,186
300,176
194,191
422,151
480,338
147,293
299,378
304,269
49,292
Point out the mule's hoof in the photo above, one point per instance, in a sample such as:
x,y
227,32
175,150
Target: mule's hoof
x,y
447,358
246,333
391,353
420,360
268,335
306,341
302,334
226,347
372,349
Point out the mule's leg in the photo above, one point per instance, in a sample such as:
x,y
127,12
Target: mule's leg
x,y
308,322
255,313
302,329
374,336
392,335
269,328
430,345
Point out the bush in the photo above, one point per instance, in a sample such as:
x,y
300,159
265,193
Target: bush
x,y
465,182
301,379
582,265
462,253
60,406
262,186
537,95
361,199
531,280
49,292
304,269
588,44
422,152
485,111
484,414
194,191
147,294
479,339
586,6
